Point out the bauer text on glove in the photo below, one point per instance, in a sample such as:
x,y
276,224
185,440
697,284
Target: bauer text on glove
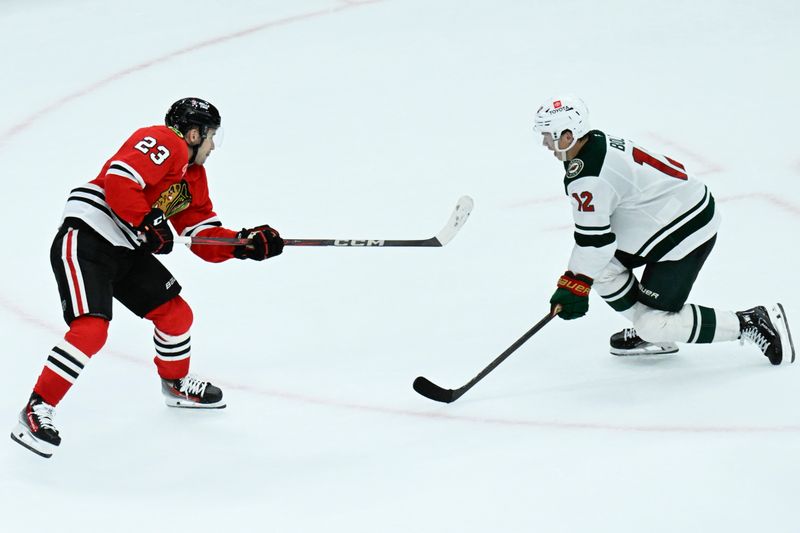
x,y
572,295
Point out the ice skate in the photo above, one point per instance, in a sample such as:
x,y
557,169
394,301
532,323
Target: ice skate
x,y
769,330
35,429
191,392
627,342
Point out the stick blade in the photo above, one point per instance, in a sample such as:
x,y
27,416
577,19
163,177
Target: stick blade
x,y
433,391
457,219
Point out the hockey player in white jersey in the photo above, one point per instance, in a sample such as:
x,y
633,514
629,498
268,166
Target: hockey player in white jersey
x,y
633,208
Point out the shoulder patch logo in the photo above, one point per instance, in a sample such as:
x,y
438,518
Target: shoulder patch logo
x,y
574,168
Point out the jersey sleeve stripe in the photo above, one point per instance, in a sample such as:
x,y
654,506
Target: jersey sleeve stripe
x,y
588,229
212,222
118,168
596,241
86,190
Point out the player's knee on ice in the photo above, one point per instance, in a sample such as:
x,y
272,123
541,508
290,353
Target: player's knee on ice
x,y
654,325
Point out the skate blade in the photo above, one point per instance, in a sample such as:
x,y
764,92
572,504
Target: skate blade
x,y
183,403
651,351
778,316
22,436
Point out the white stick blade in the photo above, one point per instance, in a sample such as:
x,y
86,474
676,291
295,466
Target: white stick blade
x,y
457,219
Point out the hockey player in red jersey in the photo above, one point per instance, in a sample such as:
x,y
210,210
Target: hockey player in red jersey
x,y
103,250
631,209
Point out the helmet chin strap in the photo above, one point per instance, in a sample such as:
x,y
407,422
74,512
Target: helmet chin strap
x,y
562,154
194,148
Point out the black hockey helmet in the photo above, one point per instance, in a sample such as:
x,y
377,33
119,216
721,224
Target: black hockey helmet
x,y
188,113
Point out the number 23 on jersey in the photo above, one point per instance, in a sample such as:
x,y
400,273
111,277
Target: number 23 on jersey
x,y
157,156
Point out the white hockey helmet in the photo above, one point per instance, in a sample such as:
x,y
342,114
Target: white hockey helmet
x,y
563,113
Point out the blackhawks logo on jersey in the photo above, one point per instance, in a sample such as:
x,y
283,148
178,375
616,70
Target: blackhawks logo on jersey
x,y
175,199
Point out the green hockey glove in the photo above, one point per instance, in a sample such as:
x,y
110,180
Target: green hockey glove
x,y
572,295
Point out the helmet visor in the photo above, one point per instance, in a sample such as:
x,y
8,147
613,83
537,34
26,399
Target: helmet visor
x,y
217,136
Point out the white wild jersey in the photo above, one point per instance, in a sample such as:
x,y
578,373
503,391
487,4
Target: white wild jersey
x,y
627,201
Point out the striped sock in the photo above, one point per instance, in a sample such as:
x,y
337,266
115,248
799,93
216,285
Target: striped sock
x,y
712,325
172,354
62,368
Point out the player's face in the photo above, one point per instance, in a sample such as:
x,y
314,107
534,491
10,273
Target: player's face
x,y
548,142
205,148
563,142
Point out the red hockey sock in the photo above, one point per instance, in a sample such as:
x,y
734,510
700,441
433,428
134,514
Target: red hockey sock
x,y
86,335
172,322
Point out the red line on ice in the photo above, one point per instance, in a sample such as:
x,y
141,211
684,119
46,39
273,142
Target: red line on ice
x,y
432,413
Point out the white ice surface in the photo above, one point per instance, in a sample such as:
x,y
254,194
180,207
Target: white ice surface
x,y
369,120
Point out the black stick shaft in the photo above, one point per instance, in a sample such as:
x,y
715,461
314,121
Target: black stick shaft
x,y
511,349
363,243
352,243
457,219
440,394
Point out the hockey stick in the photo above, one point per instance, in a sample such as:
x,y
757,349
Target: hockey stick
x,y
457,219
434,392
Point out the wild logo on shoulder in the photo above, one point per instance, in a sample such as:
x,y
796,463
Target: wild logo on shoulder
x,y
574,168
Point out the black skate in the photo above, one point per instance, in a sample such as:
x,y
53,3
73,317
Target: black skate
x,y
35,429
191,392
627,342
769,330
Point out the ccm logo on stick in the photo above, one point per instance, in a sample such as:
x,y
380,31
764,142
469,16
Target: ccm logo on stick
x,y
353,242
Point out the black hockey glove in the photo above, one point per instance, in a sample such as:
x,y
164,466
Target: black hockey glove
x,y
265,242
572,295
157,232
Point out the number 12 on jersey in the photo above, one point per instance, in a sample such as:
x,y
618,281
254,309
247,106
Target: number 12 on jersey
x,y
670,167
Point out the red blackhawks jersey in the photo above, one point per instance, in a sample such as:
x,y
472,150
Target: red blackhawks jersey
x,y
151,169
